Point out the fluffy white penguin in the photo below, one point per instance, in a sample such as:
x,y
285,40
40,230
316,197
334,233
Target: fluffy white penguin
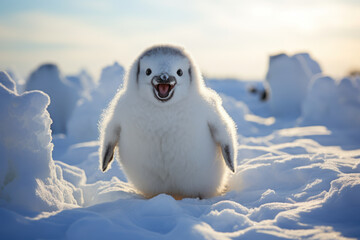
x,y
172,134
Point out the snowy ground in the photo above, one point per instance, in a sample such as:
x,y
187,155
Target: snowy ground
x,y
298,177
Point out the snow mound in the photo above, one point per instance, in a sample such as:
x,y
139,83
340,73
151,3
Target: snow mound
x,y
29,178
62,93
110,80
292,182
288,79
83,125
341,203
83,82
331,103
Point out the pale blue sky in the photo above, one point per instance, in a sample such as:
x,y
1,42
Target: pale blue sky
x,y
227,38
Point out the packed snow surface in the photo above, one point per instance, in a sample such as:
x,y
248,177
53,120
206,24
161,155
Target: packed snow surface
x,y
298,174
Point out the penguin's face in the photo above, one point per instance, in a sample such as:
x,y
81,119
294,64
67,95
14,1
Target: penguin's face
x,y
164,78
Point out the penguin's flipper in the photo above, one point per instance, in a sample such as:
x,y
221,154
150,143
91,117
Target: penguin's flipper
x,y
108,142
227,157
223,138
109,155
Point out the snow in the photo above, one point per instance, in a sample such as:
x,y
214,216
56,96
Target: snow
x,y
288,79
63,94
83,82
298,174
334,104
29,178
7,81
83,125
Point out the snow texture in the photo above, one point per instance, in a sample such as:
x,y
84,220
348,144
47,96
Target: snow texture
x,y
334,104
29,178
288,79
83,82
297,178
20,82
7,81
83,125
63,94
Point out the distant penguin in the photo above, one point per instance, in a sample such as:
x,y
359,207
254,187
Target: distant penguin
x,y
172,134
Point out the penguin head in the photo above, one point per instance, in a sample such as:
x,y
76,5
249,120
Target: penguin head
x,y
163,75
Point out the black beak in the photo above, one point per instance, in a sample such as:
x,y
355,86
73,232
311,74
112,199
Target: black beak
x,y
164,78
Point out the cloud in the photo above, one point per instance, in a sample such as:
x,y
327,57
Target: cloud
x,y
232,38
39,27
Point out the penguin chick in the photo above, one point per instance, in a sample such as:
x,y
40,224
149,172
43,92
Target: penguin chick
x,y
171,132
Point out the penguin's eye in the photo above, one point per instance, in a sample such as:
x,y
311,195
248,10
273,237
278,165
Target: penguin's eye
x,y
148,72
179,72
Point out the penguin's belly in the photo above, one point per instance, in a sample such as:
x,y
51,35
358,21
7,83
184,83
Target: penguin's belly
x,y
175,157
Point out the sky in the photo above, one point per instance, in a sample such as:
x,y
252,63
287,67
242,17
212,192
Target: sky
x,y
227,38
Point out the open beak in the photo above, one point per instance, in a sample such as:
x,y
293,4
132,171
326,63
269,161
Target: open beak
x,y
163,86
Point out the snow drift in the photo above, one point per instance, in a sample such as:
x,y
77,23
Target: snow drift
x,y
83,125
83,82
288,79
296,178
63,94
334,104
29,178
